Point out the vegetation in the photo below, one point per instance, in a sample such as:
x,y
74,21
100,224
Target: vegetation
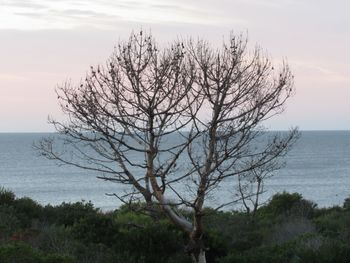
x,y
287,229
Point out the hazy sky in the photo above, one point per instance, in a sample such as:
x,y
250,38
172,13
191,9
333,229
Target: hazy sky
x,y
45,43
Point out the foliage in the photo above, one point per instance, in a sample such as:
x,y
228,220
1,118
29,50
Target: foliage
x,y
6,197
273,254
78,232
346,204
9,221
23,253
68,213
286,204
27,211
334,224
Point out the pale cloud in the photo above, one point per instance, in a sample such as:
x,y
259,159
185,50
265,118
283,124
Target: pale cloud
x,y
4,77
23,4
320,73
269,3
53,14
31,15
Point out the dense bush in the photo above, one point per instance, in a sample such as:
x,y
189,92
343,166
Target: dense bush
x,y
23,253
9,222
272,254
334,224
287,204
6,197
287,229
68,213
346,203
27,211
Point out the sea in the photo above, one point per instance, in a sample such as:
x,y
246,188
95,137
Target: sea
x,y
318,167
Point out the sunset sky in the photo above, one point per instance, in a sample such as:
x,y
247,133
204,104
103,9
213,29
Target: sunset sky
x,y
45,43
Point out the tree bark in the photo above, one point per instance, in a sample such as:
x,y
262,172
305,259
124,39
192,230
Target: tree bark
x,y
200,257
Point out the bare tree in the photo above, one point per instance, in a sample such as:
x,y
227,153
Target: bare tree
x,y
250,185
173,124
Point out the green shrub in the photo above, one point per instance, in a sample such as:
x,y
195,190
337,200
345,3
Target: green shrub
x,y
67,213
55,239
18,253
9,222
272,254
287,204
217,245
95,228
329,251
28,206
335,224
95,253
236,230
6,197
23,253
155,241
290,229
57,259
125,218
27,210
346,203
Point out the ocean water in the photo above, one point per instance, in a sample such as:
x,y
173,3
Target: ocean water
x,y
318,167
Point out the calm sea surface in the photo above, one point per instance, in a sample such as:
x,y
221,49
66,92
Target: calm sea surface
x,y
317,167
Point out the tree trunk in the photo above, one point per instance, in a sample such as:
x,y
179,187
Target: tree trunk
x,y
199,257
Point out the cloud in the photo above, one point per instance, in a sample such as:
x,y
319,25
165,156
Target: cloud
x,y
11,77
31,15
319,73
79,12
23,4
81,16
167,7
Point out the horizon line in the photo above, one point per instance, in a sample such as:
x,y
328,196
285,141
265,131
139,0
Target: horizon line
x,y
271,130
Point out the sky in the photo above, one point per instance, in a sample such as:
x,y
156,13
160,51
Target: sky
x,y
45,43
